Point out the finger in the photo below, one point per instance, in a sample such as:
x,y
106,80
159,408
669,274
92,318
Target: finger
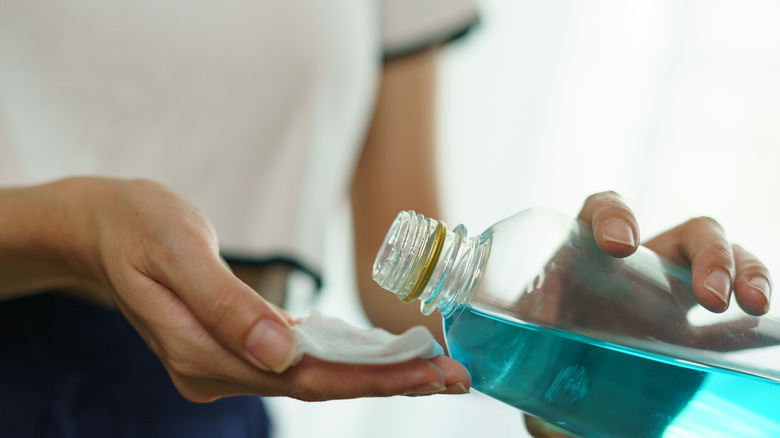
x,y
313,379
614,225
207,369
539,428
203,369
457,379
232,312
753,284
702,244
200,366
316,380
244,322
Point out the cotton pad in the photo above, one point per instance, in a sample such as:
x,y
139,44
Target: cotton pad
x,y
335,340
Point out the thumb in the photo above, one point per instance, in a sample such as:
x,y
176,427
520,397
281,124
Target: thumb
x,y
233,313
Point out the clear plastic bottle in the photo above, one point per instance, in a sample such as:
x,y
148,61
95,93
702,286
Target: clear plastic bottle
x,y
603,347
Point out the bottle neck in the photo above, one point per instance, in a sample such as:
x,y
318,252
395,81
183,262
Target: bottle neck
x,y
421,258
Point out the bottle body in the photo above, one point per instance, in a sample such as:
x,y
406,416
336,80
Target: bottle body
x,y
596,389
601,346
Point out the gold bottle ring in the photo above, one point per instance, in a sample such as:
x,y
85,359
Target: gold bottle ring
x,y
430,262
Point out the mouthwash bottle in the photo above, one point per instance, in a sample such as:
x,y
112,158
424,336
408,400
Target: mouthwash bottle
x,y
600,346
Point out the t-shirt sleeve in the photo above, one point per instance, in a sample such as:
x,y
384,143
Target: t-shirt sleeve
x,y
409,26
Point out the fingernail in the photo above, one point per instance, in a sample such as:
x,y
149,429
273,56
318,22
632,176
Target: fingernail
x,y
719,283
456,388
762,285
426,389
272,345
618,231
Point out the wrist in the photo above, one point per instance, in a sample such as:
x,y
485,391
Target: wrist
x,y
46,241
75,240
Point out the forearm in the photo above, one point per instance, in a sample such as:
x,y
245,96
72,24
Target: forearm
x,y
43,234
396,172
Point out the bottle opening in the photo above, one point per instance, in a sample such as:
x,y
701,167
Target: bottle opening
x,y
404,260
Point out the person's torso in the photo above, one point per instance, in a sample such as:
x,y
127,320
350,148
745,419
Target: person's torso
x,y
253,110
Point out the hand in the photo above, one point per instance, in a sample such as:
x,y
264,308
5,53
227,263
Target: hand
x,y
717,267
155,255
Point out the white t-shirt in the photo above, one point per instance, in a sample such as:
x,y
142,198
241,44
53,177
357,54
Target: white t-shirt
x,y
254,110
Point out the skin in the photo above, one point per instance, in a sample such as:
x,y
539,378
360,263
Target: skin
x,y
699,243
143,248
151,253
146,250
402,137
395,172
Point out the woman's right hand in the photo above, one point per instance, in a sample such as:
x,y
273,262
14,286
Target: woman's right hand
x,y
155,256
699,244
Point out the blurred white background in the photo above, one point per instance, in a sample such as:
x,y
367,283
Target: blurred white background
x,y
673,104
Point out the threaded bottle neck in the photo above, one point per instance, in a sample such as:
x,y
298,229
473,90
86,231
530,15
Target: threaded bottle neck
x,y
407,254
421,258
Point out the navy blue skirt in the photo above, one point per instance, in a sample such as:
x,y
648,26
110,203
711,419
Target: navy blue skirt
x,y
73,369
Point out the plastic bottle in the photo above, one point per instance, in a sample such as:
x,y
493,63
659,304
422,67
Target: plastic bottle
x,y
600,346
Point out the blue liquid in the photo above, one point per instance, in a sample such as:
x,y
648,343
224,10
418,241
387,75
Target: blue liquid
x,y
596,389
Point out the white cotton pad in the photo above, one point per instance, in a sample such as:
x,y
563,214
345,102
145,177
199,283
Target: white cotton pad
x,y
335,340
